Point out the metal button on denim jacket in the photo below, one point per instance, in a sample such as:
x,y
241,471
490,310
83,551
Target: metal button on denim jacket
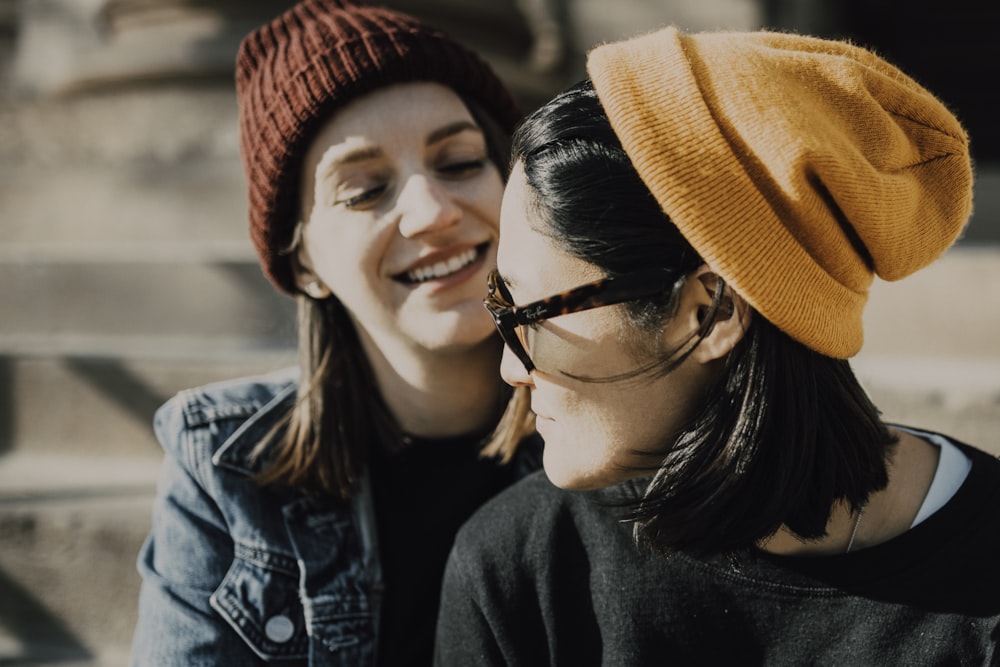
x,y
236,574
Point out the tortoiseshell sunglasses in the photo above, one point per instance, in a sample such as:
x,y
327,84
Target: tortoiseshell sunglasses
x,y
603,292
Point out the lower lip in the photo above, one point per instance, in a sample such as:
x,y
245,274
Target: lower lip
x,y
452,279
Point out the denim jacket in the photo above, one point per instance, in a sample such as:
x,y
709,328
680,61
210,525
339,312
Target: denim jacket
x,y
237,574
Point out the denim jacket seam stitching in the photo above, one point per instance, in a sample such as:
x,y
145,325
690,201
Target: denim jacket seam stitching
x,y
268,560
254,636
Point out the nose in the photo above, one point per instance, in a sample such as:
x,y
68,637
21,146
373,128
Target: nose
x,y
512,370
425,206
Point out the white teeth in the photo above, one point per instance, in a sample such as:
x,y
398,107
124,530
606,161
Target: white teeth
x,y
442,268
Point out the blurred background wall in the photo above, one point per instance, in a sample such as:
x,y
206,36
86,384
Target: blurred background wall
x,y
126,273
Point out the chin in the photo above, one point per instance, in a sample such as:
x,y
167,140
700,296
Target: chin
x,y
565,476
567,466
459,337
573,482
460,327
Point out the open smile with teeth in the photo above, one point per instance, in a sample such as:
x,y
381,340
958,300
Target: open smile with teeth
x,y
443,268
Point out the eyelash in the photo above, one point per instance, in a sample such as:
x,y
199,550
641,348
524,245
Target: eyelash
x,y
453,170
459,168
365,197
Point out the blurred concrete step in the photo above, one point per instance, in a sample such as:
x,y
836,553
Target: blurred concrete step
x,y
932,346
501,33
68,545
151,294
90,200
950,309
101,406
957,397
77,481
120,135
48,478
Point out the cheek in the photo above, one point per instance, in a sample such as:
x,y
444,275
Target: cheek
x,y
627,418
581,345
607,423
483,197
592,443
343,251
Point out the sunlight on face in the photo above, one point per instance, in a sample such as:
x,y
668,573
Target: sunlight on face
x,y
594,432
403,206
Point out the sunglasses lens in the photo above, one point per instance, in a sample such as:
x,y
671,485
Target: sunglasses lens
x,y
500,305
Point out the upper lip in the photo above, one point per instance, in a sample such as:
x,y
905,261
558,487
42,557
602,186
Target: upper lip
x,y
436,256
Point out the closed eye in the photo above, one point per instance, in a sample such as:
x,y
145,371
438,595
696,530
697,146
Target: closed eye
x,y
463,168
366,197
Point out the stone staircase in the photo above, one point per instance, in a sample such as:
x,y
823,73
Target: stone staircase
x,y
127,275
110,306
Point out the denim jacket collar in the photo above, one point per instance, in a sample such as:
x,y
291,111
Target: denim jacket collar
x,y
335,547
236,452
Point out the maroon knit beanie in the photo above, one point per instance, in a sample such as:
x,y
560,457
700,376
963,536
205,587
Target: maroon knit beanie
x,y
296,71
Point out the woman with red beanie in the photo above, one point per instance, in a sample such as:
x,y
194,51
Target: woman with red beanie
x,y
710,210
305,516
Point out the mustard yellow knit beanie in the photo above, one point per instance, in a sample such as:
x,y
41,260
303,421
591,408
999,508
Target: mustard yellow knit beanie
x,y
798,167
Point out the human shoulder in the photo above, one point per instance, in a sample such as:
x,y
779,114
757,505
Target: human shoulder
x,y
989,461
228,399
547,553
530,516
973,504
984,477
223,408
514,510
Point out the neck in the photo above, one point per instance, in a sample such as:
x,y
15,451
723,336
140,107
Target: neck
x,y
439,393
887,514
839,528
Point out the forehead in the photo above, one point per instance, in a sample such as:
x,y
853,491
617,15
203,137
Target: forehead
x,y
400,114
530,262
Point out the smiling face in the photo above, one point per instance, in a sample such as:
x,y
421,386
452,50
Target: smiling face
x,y
401,209
592,430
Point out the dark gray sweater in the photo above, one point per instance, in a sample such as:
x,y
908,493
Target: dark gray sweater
x,y
541,576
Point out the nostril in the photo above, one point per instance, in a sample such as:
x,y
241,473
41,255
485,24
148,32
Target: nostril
x,y
426,206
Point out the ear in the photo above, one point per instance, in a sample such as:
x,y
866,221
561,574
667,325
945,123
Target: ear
x,y
305,276
731,319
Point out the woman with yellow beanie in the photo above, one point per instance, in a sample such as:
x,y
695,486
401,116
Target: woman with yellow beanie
x,y
304,517
687,242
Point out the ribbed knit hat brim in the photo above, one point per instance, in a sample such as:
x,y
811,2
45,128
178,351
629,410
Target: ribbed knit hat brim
x,y
295,72
797,167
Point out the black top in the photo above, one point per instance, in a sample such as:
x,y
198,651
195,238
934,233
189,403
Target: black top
x,y
423,493
545,576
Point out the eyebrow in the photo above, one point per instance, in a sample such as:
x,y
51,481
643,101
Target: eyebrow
x,y
358,155
451,130
331,161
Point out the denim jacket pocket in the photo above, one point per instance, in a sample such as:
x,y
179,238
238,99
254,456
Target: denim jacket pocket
x,y
259,599
343,626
